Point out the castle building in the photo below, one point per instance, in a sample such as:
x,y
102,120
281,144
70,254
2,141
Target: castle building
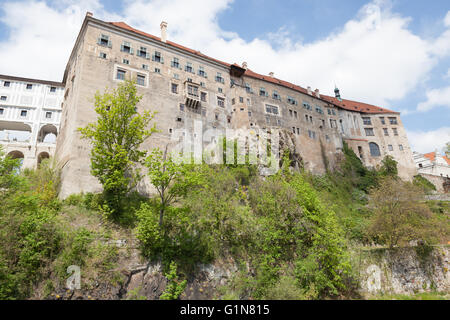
x,y
185,86
30,112
435,168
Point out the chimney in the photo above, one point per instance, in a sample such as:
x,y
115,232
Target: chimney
x,y
337,94
317,93
163,31
244,65
309,90
89,14
271,74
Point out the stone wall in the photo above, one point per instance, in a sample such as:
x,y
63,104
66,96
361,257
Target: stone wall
x,y
442,184
404,270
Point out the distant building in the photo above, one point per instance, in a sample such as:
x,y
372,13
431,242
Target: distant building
x,y
30,112
434,167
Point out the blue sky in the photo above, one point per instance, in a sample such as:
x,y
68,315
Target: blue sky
x,y
393,53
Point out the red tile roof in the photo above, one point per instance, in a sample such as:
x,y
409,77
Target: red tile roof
x,y
432,156
344,104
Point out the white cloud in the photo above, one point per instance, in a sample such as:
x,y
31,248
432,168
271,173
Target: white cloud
x,y
435,98
429,141
373,58
447,19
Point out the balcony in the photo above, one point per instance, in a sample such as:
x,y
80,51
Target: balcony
x,y
191,93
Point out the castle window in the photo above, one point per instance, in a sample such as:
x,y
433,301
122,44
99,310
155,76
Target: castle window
x,y
126,61
293,130
104,41
395,131
203,96
311,134
383,122
292,100
367,121
220,90
126,47
333,123
263,92
241,99
420,165
174,88
202,84
181,107
400,147
216,116
219,78
295,114
23,113
248,88
221,102
374,149
393,120
290,113
175,63
1,111
390,147
48,115
298,130
249,102
369,132
176,76
233,101
272,109
192,90
189,67
145,66
141,80
157,57
52,89
142,52
201,72
3,98
120,74
307,106
6,84
29,86
386,132
276,96
157,70
249,113
319,110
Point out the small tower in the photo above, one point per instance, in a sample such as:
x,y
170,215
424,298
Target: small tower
x,y
337,94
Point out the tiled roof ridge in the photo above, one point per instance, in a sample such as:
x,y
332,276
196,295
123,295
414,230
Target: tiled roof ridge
x,y
432,157
344,104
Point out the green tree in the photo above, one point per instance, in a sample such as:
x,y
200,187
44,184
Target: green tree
x,y
8,173
399,214
115,139
172,180
175,287
388,167
447,149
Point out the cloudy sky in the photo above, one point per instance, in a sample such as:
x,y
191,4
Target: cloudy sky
x,y
392,53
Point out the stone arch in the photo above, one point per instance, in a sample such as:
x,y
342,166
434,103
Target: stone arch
x,y
16,154
48,133
14,131
41,156
374,149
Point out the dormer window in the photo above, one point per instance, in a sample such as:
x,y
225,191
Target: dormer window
x,y
6,84
23,113
104,41
29,86
126,47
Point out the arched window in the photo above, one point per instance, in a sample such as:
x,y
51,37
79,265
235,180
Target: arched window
x,y
374,150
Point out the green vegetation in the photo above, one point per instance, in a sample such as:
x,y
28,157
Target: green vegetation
x,y
115,138
291,234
